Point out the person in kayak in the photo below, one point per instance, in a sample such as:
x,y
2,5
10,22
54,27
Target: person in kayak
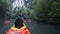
x,y
19,22
19,27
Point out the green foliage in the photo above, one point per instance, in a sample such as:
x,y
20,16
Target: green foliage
x,y
20,10
5,9
46,10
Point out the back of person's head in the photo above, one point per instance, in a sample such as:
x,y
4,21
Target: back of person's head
x,y
18,22
20,15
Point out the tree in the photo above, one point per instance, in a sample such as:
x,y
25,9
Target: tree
x,y
5,8
46,10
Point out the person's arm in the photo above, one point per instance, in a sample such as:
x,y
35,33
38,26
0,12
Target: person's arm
x,y
23,19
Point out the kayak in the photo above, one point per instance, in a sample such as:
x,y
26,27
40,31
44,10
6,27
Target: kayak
x,y
22,30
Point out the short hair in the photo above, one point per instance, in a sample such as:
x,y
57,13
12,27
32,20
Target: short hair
x,y
18,22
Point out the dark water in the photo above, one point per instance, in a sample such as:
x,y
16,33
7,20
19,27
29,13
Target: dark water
x,y
43,28
4,28
34,27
